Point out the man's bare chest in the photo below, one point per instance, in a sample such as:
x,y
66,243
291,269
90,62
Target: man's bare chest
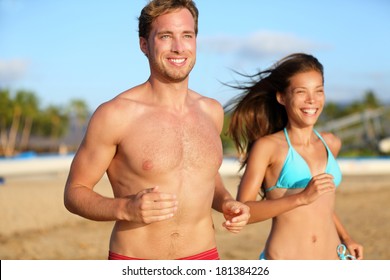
x,y
161,143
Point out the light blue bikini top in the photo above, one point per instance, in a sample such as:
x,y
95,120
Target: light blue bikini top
x,y
296,173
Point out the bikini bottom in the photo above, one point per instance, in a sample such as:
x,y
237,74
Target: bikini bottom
x,y
341,253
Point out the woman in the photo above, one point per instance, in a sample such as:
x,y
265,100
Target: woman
x,y
272,126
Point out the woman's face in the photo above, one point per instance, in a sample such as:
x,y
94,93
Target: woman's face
x,y
304,99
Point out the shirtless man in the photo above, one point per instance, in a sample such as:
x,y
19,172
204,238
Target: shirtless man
x,y
159,143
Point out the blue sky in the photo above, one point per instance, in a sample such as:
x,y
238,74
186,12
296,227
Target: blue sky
x,y
87,49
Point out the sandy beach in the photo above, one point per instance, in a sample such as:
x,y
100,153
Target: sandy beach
x,y
34,224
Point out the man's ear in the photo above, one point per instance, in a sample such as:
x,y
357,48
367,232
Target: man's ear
x,y
280,98
143,45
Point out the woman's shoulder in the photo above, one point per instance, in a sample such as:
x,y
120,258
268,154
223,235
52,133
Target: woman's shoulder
x,y
271,142
269,149
332,141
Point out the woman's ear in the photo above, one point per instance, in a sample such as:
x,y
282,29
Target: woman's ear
x,y
280,98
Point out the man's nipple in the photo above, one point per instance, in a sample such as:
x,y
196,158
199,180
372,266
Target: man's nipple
x,y
147,165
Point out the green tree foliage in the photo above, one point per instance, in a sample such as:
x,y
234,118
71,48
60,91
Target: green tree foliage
x,y
52,122
27,103
227,143
334,110
22,117
79,109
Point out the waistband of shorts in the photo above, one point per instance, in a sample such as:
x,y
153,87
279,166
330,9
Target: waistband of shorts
x,y
211,254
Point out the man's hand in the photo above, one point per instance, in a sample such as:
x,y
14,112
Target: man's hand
x,y
236,214
150,205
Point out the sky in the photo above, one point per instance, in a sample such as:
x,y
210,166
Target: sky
x,y
72,49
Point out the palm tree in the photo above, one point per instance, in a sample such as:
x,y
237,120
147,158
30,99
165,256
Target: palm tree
x,y
79,109
6,113
370,100
10,122
56,122
29,106
14,113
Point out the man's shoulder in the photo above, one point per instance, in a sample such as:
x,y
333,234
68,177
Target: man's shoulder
x,y
211,108
207,102
124,104
123,101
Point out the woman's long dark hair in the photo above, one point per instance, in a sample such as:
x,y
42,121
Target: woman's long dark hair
x,y
256,112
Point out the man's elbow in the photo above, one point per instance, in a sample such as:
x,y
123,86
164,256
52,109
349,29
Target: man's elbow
x,y
69,201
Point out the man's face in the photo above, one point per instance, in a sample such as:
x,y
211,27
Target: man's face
x,y
171,46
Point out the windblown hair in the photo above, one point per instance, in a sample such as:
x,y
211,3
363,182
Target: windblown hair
x,y
156,8
256,112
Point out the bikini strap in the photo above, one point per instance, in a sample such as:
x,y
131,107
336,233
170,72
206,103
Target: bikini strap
x,y
322,139
270,189
318,134
287,138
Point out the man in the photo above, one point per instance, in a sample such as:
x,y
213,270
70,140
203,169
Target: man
x,y
159,144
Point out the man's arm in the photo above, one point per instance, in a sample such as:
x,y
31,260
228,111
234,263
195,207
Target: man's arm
x,y
236,213
90,164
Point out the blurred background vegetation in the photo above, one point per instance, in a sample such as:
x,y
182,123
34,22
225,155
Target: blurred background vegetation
x,y
28,127
363,125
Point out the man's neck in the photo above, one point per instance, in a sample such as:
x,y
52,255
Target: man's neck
x,y
173,95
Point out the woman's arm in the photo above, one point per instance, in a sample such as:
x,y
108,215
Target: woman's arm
x,y
260,159
354,248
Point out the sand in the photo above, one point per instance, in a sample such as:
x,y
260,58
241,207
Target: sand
x,y
35,225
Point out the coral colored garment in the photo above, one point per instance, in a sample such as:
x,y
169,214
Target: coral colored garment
x,y
211,254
